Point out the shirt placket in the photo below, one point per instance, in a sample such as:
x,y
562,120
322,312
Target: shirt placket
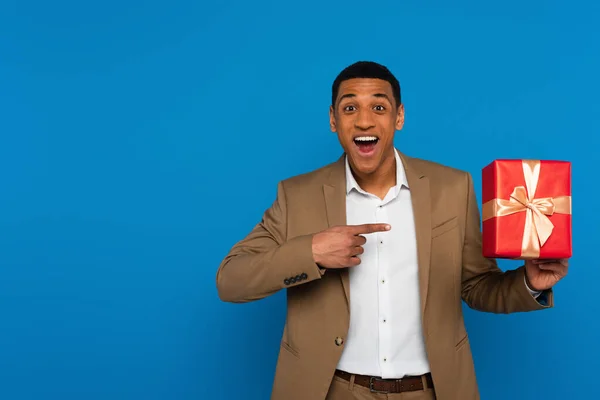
x,y
383,294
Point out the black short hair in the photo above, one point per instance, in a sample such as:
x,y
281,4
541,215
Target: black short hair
x,y
366,69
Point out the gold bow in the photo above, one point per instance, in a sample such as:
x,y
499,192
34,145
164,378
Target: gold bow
x,y
538,226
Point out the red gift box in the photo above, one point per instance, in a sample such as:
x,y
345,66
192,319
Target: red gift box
x,y
526,209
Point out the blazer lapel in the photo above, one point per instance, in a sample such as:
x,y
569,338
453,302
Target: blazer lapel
x,y
334,192
421,203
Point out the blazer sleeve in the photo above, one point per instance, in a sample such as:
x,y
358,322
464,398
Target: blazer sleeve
x,y
265,261
484,286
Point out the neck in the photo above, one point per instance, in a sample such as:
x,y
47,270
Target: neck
x,y
381,180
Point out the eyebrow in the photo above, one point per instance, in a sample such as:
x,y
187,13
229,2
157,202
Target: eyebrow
x,y
381,95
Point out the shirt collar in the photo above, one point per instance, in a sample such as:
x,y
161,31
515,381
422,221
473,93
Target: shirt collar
x,y
400,176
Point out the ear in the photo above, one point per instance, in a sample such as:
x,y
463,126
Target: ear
x,y
400,117
332,124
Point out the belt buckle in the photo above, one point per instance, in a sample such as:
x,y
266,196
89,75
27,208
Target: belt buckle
x,y
371,386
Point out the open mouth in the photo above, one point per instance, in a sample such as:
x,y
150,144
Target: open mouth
x,y
366,144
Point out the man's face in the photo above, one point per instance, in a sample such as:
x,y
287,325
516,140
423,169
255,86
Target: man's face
x,y
365,118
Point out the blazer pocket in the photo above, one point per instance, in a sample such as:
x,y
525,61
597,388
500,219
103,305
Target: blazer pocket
x,y
444,227
290,349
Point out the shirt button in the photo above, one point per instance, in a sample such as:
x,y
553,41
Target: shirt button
x,y
383,281
339,341
385,360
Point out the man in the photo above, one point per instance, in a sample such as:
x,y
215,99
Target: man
x,y
376,252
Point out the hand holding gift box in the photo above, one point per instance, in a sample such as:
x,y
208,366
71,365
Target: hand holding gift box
x,y
526,215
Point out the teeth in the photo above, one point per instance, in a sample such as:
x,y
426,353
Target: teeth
x,y
365,138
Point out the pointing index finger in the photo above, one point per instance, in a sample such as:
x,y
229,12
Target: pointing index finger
x,y
370,228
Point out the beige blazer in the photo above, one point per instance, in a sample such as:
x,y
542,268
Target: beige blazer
x,y
277,254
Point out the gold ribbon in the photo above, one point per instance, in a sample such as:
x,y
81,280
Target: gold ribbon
x,y
538,226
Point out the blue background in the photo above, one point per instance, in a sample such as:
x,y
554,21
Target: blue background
x,y
140,140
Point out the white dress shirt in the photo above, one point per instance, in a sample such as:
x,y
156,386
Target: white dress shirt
x,y
385,338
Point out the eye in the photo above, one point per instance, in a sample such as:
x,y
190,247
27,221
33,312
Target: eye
x,y
379,108
349,108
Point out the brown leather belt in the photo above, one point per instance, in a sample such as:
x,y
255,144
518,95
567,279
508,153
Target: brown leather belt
x,y
379,385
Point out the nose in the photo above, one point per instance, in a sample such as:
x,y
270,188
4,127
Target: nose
x,y
363,120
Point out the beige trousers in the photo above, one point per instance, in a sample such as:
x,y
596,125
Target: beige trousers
x,y
341,389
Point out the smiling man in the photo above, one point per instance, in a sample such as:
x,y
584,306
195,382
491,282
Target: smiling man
x,y
376,251
366,114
